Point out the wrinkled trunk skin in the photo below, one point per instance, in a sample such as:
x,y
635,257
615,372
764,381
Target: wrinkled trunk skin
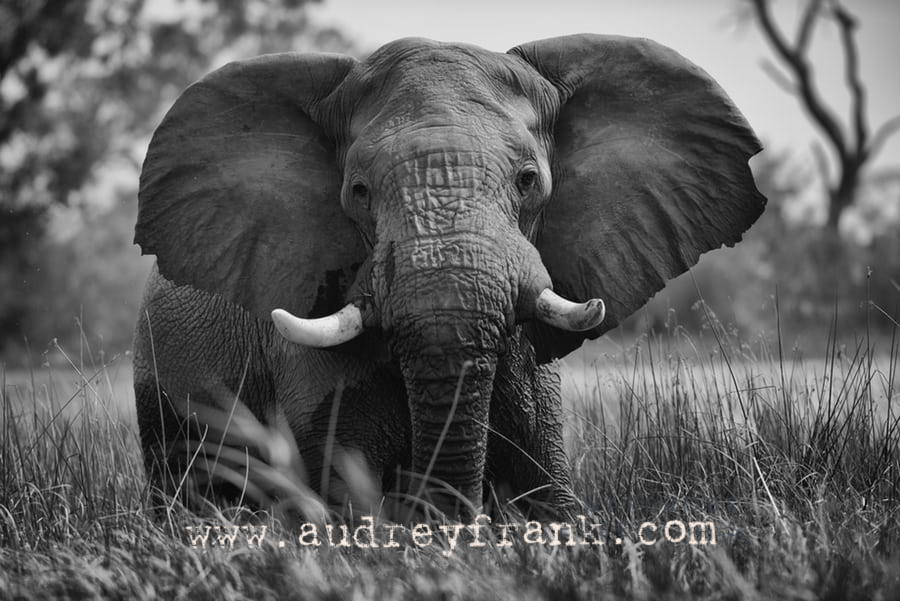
x,y
447,314
444,285
459,458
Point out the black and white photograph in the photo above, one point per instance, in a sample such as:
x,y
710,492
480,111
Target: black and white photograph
x,y
342,299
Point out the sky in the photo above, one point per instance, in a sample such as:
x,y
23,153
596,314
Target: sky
x,y
705,31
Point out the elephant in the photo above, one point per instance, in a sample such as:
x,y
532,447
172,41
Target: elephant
x,y
389,254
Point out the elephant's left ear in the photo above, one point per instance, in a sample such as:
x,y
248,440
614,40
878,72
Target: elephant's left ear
x,y
650,171
240,190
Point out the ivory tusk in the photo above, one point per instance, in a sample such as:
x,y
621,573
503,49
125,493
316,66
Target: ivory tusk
x,y
321,332
566,315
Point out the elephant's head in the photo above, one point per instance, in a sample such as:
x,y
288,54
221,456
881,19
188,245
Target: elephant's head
x,y
440,193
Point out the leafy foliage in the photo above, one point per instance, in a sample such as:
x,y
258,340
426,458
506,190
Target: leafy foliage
x,y
82,86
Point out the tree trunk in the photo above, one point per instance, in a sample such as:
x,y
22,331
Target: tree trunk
x,y
841,197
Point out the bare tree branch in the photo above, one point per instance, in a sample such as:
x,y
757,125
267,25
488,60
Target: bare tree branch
x,y
848,24
884,176
885,131
775,36
853,147
781,80
821,158
804,31
795,58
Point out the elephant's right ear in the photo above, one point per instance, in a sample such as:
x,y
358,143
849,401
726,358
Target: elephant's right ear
x,y
239,193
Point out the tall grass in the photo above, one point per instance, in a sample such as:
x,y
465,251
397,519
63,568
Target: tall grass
x,y
67,460
795,461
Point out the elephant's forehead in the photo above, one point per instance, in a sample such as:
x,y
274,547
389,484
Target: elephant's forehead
x,y
443,138
414,78
417,60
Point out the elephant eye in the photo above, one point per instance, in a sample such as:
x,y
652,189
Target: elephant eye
x,y
360,191
526,181
361,196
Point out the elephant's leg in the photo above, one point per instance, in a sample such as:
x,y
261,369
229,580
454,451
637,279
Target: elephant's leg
x,y
191,350
157,423
163,433
526,453
161,425
548,442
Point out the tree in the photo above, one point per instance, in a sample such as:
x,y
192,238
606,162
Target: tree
x,y
83,83
31,30
851,147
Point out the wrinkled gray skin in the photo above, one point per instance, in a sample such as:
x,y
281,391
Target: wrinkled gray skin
x,y
440,188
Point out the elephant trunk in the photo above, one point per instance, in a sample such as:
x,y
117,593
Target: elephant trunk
x,y
449,302
449,394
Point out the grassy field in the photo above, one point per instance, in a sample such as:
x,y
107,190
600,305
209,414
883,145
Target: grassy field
x,y
794,462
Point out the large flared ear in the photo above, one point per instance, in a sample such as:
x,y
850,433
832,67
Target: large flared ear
x,y
240,192
650,171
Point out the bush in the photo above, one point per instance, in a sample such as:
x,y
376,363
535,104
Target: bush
x,y
85,290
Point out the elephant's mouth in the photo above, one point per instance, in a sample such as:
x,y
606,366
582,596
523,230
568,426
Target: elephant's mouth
x,y
348,323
